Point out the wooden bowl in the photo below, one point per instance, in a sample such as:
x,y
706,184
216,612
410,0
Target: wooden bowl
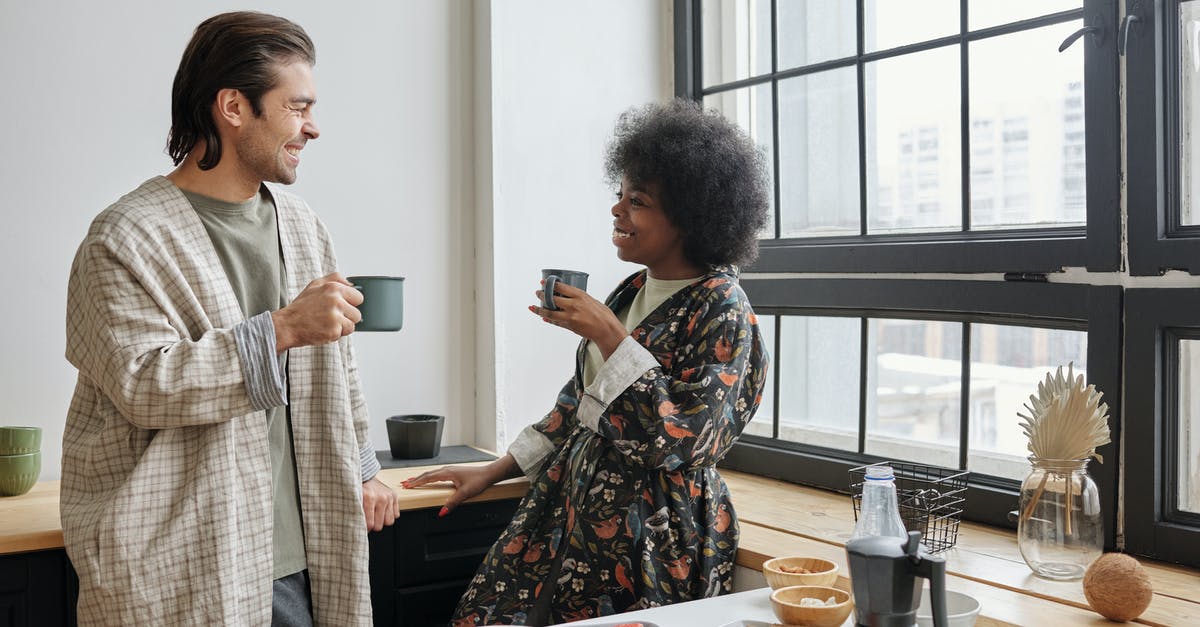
x,y
786,603
821,572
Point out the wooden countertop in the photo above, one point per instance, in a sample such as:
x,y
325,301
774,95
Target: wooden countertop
x,y
779,518
30,522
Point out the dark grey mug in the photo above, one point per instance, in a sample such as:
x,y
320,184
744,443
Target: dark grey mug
x,y
553,276
415,436
382,308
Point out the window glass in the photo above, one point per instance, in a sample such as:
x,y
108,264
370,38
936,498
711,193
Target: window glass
x,y
987,13
1027,131
1007,364
890,24
819,380
914,172
750,108
1189,426
764,419
818,149
812,31
914,383
736,39
1189,112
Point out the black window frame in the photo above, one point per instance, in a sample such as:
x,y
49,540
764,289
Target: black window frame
x,y
1095,247
1141,312
1156,319
1157,241
1097,309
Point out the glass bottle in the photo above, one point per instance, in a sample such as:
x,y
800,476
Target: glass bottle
x,y
880,514
1060,530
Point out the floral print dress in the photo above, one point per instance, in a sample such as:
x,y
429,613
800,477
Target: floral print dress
x,y
631,512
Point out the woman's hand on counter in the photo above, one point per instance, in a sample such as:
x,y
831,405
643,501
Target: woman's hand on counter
x,y
468,481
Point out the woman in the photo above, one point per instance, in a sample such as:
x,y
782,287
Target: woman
x,y
625,508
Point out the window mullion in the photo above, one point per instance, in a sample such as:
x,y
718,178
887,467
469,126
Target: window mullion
x,y
964,420
864,381
860,70
965,116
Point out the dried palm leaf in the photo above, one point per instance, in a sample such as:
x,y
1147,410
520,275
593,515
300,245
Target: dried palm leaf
x,y
1066,419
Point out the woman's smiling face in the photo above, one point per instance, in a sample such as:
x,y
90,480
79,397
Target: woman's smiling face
x,y
643,233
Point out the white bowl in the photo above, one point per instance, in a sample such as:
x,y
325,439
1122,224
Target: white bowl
x,y
961,609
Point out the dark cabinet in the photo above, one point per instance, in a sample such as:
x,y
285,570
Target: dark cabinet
x,y
37,589
421,565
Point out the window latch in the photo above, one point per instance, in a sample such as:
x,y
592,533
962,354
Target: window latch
x,y
1026,277
1094,31
1127,24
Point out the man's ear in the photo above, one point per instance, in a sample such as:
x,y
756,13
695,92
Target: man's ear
x,y
231,107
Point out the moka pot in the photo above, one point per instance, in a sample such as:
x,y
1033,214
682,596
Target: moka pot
x,y
886,572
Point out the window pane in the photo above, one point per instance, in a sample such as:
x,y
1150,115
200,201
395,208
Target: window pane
x,y
818,154
763,421
1189,426
750,108
812,31
1027,131
1189,111
986,13
889,24
914,172
736,39
1007,364
818,373
914,384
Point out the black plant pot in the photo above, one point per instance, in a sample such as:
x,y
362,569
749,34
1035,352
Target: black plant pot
x,y
415,436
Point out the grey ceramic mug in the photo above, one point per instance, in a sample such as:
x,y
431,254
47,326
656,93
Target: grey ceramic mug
x,y
382,308
553,276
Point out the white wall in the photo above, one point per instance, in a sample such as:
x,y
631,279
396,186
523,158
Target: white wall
x,y
559,73
86,108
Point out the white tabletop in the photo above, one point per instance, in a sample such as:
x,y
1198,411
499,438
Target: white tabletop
x,y
752,607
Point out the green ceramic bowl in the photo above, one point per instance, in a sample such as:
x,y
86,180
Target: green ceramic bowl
x,y
20,440
18,473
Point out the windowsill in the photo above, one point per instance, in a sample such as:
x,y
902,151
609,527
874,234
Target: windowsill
x,y
779,518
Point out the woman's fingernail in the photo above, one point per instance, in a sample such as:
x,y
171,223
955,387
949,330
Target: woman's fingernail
x,y
443,512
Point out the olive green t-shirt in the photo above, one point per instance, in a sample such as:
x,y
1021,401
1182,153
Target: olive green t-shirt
x,y
654,293
246,238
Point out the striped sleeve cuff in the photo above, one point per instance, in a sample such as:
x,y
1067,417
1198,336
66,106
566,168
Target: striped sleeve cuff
x,y
261,366
370,463
531,449
626,364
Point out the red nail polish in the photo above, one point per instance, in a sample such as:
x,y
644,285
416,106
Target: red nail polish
x,y
443,512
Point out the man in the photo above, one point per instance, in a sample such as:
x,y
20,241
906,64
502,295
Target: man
x,y
216,463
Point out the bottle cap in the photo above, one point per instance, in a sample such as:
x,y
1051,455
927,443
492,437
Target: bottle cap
x,y
880,473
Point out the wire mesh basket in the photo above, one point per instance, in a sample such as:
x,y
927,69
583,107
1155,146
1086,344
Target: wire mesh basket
x,y
931,500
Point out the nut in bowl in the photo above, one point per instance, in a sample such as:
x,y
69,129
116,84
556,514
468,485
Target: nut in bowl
x,y
792,608
799,571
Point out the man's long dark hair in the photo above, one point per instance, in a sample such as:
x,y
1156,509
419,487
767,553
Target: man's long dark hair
x,y
241,50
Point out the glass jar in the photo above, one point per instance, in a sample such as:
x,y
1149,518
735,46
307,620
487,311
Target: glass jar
x,y
1060,530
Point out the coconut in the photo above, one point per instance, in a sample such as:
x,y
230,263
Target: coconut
x,y
1117,587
